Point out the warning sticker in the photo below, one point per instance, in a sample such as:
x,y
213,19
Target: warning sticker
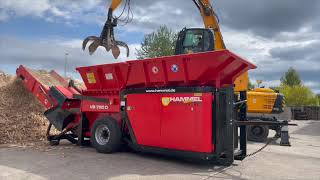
x,y
109,76
91,78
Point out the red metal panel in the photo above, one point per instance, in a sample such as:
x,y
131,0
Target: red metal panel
x,y
110,78
144,114
90,77
136,75
155,71
39,90
66,91
34,86
42,97
215,68
175,121
187,125
114,75
176,71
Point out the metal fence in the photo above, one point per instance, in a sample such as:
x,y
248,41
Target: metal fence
x,y
306,113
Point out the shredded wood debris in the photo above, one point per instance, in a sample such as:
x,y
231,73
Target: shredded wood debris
x,y
45,77
22,122
21,115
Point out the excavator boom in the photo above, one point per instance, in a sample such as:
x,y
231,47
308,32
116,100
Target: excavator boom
x,y
108,41
210,20
115,4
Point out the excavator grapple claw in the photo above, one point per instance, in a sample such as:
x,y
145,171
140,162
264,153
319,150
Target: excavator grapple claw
x,y
106,40
94,45
85,41
123,44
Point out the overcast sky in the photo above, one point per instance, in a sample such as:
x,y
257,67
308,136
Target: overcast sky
x,y
273,34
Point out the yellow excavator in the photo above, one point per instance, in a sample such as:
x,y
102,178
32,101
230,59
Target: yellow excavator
x,y
260,101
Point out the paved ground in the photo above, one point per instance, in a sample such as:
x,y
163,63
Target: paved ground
x,y
301,161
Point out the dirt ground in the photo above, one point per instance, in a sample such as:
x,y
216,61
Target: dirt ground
x,y
300,161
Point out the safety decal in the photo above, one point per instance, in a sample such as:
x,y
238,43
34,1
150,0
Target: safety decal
x,y
254,101
155,70
174,68
109,76
91,78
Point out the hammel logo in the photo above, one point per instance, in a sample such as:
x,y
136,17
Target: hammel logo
x,y
167,100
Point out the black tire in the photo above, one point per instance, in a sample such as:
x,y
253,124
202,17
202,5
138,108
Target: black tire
x,y
257,133
106,135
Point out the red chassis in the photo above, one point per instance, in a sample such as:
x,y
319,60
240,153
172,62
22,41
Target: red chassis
x,y
179,105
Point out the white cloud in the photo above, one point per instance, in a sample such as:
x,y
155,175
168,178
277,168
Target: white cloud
x,y
50,54
57,12
25,7
270,69
50,10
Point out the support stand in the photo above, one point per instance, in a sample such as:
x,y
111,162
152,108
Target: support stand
x,y
285,136
243,130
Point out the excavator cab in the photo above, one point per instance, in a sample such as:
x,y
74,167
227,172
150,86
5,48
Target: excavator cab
x,y
194,40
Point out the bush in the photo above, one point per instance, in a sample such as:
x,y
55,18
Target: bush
x,y
298,95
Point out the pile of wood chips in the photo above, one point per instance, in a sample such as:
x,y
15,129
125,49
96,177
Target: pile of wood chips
x,y
21,115
4,78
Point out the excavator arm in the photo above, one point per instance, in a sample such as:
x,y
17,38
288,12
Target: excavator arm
x,y
210,20
107,40
115,4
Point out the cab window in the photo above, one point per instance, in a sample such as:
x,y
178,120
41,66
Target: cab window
x,y
197,41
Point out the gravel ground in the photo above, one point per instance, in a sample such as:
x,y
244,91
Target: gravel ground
x,y
300,161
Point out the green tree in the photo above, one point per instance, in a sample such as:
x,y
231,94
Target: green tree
x,y
159,43
291,78
298,95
